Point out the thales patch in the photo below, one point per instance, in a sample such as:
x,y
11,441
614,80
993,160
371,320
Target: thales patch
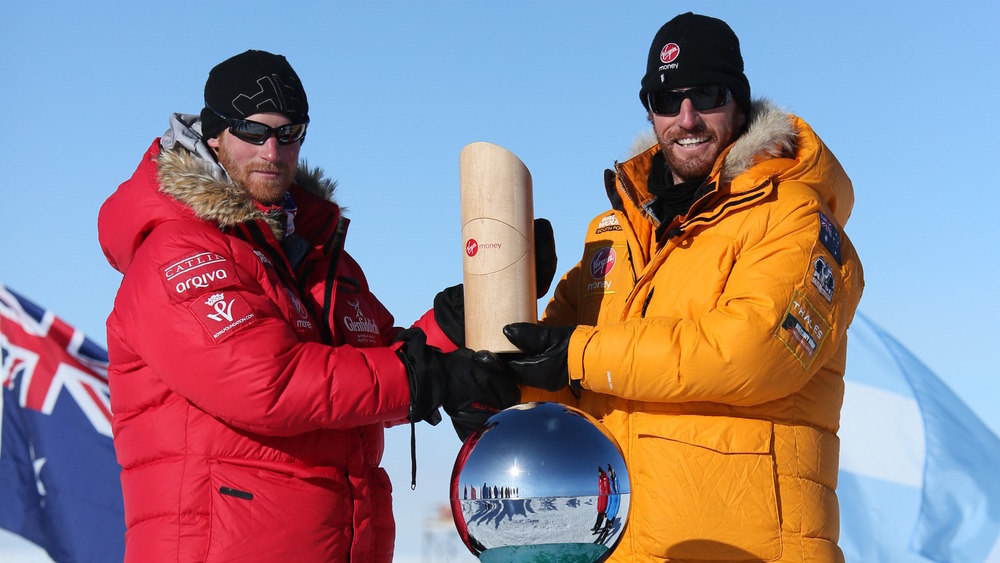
x,y
803,329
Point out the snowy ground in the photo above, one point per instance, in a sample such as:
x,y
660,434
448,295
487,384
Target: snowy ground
x,y
522,529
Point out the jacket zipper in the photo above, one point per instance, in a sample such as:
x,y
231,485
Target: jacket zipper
x,y
257,236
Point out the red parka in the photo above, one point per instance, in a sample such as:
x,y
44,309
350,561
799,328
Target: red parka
x,y
249,394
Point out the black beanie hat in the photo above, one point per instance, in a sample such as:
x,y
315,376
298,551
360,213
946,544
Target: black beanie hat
x,y
248,83
694,50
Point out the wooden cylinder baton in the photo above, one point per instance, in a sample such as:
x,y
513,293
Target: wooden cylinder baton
x,y
498,263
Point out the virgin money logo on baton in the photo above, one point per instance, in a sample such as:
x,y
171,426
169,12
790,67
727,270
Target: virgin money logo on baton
x,y
472,247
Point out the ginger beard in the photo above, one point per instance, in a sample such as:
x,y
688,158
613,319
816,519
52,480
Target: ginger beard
x,y
265,171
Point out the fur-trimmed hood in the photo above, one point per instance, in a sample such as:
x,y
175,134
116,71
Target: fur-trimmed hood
x,y
779,145
215,197
179,178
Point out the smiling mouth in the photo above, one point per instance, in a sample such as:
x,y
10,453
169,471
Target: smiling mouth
x,y
692,141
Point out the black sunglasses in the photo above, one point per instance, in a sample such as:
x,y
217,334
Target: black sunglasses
x,y
668,102
257,133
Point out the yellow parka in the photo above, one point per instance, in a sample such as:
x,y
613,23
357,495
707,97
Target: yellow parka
x,y
716,353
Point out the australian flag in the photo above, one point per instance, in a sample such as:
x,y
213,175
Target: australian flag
x,y
59,478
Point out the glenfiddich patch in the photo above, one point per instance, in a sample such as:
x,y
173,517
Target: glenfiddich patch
x,y
357,321
803,329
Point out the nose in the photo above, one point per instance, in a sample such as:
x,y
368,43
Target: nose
x,y
269,150
688,117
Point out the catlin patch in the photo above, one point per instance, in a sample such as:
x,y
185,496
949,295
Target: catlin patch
x,y
190,275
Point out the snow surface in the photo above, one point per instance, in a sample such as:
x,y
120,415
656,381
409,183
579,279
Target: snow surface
x,y
540,529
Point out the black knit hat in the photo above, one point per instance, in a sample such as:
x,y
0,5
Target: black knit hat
x,y
248,83
694,50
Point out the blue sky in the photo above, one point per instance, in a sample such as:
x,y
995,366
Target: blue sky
x,y
904,94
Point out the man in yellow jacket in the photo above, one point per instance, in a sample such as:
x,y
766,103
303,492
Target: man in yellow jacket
x,y
706,322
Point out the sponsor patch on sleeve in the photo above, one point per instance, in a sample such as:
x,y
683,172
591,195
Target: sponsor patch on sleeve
x,y
829,235
608,223
193,274
803,329
822,277
598,267
223,314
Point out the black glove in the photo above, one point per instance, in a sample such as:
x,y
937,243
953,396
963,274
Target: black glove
x,y
543,364
449,313
449,304
545,256
471,386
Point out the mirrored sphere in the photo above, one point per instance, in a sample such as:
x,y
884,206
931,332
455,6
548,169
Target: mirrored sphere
x,y
540,482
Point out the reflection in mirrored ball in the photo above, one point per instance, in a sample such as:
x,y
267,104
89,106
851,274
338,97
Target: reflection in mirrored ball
x,y
540,482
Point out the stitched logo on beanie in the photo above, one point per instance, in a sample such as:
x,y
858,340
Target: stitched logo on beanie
x,y
272,95
669,53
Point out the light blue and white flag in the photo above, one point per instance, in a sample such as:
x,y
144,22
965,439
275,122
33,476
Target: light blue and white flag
x,y
919,472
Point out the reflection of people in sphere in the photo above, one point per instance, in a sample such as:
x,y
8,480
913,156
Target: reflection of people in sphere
x,y
603,488
614,499
614,502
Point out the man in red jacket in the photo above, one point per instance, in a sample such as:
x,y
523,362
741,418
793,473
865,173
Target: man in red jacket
x,y
252,371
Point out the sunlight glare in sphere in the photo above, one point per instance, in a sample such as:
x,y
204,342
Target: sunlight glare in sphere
x,y
515,470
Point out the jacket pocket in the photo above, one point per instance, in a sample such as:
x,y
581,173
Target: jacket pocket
x,y
258,514
705,488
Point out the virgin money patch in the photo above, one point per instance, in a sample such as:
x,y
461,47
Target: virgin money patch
x,y
191,275
223,314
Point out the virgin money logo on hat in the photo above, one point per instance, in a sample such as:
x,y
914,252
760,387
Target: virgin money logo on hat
x,y
669,53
